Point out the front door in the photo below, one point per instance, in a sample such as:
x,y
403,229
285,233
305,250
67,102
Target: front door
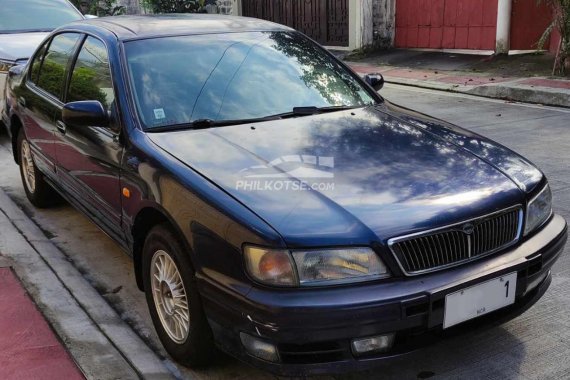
x,y
88,158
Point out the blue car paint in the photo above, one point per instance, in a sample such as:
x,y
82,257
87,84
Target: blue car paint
x,y
395,172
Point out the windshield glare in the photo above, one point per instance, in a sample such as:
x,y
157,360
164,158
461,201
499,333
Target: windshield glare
x,y
235,76
35,15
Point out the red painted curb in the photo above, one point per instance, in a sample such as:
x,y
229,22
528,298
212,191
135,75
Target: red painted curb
x,y
28,347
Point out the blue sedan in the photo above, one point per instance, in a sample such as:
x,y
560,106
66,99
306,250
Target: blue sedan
x,y
276,207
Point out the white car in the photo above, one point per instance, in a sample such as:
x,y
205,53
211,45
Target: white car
x,y
23,26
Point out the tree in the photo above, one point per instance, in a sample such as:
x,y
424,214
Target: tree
x,y
560,22
100,8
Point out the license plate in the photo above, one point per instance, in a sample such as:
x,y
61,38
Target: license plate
x,y
479,299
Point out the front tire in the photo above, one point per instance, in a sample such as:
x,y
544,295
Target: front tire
x,y
38,191
174,301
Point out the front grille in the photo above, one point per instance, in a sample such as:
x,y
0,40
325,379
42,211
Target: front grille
x,y
453,245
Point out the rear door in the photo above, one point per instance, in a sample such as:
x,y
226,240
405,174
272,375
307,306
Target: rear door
x,y
88,158
42,99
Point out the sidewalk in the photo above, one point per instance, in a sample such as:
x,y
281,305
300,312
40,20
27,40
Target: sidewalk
x,y
510,78
29,349
94,341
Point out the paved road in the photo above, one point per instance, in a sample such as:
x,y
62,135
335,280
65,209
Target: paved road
x,y
533,346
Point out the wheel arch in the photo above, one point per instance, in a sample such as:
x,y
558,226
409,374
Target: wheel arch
x,y
147,218
15,126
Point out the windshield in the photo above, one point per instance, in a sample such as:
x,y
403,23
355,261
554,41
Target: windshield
x,y
35,15
235,76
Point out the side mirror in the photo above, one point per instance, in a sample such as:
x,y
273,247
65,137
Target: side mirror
x,y
89,113
375,80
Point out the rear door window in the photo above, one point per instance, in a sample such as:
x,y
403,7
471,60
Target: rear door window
x,y
52,73
37,63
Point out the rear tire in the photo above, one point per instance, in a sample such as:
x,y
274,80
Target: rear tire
x,y
174,301
38,191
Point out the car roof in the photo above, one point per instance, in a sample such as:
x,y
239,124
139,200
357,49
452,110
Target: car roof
x,y
138,27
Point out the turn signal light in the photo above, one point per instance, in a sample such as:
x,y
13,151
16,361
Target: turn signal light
x,y
259,348
270,266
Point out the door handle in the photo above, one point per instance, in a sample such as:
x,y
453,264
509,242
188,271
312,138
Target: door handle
x,y
61,126
22,102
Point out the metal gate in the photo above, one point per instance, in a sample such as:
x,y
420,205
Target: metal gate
x,y
447,24
326,21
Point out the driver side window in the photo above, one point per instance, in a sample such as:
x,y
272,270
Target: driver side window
x,y
91,77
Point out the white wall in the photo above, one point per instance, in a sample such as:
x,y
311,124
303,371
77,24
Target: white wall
x,y
360,23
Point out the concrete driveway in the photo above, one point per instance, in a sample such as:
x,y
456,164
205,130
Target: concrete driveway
x,y
533,346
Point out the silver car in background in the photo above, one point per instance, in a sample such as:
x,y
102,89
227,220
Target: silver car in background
x,y
23,26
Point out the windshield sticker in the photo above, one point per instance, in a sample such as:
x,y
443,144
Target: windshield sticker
x,y
159,113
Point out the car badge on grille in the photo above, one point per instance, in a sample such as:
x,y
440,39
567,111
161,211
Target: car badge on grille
x,y
468,228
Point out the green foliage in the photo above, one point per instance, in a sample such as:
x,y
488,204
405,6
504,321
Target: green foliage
x,y
560,22
108,8
174,6
100,8
83,86
51,78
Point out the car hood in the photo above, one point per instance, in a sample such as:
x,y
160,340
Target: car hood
x,y
368,174
17,46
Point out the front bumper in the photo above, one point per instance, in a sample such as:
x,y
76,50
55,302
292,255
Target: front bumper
x,y
313,328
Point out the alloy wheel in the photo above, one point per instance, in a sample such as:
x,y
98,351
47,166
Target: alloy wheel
x,y
28,167
170,296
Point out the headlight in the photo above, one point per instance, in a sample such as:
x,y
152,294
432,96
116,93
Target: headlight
x,y
5,66
314,267
334,266
538,210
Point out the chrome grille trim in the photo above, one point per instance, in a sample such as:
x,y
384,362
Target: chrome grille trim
x,y
449,246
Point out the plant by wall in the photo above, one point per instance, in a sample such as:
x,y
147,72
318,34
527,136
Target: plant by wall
x,y
174,6
99,8
108,8
560,22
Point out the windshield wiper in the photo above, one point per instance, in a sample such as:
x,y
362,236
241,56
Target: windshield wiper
x,y
208,123
312,110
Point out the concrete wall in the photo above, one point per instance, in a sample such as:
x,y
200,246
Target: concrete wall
x,y
384,23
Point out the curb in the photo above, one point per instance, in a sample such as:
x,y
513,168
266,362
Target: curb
x,y
517,92
101,343
524,94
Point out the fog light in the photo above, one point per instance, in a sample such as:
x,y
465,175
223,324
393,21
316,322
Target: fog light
x,y
372,345
259,348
